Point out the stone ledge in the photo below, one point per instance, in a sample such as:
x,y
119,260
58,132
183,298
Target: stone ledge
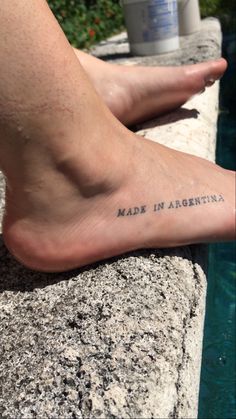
x,y
121,338
202,46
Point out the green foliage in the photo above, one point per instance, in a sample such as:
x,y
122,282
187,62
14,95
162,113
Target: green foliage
x,y
88,21
225,10
209,7
217,7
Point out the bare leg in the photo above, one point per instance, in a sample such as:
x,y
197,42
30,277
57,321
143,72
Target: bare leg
x,y
80,188
136,93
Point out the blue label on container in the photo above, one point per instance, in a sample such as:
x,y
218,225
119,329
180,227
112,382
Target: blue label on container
x,y
151,20
162,19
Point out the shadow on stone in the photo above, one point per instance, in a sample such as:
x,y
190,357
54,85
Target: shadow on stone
x,y
115,57
15,277
170,118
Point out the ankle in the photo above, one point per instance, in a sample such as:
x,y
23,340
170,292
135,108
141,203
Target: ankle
x,y
68,166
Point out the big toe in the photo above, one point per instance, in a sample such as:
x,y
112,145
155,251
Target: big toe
x,y
208,72
214,70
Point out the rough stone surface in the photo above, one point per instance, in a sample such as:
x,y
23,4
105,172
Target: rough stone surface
x,y
202,46
191,129
121,338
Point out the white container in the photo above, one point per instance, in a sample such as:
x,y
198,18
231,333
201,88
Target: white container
x,y
152,26
189,16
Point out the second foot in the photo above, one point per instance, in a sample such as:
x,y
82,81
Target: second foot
x,y
135,94
158,198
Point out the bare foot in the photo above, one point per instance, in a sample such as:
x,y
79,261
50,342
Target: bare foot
x,y
80,187
135,94
65,212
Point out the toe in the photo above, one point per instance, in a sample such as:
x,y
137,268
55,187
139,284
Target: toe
x,y
215,70
209,83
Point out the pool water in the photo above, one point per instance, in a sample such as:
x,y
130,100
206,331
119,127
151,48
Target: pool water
x,y
218,376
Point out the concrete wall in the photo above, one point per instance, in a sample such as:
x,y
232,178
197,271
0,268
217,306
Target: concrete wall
x,y
121,338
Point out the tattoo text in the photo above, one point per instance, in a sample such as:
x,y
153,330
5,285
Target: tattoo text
x,y
167,205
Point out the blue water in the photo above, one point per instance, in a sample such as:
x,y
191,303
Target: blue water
x,y
218,377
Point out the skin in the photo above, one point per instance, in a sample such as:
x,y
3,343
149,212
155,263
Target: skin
x,y
136,93
70,165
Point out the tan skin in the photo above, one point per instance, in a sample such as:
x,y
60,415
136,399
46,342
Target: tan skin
x,y
73,170
136,93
